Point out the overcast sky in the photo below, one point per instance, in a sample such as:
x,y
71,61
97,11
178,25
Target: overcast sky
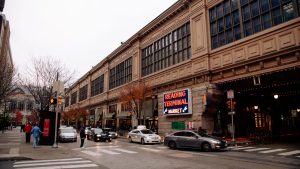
x,y
80,33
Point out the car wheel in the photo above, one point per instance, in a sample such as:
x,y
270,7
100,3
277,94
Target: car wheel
x,y
130,140
172,145
142,141
206,147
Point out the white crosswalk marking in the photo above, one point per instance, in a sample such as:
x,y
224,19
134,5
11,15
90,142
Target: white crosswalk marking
x,y
91,153
9,144
242,148
108,152
149,149
256,149
290,153
125,151
54,164
162,147
272,151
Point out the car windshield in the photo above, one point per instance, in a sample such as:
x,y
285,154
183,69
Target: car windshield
x,y
67,130
146,131
98,131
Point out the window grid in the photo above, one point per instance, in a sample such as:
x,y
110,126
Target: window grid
x,y
67,99
83,93
171,49
120,74
97,85
257,15
74,98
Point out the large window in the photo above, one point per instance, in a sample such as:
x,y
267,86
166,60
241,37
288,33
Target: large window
x,y
171,49
232,20
74,98
120,74
97,85
112,109
67,101
83,93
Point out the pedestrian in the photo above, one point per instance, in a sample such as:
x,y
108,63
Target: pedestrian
x,y
82,136
36,131
27,129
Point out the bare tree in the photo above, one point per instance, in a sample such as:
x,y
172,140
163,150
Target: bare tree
x,y
135,94
40,78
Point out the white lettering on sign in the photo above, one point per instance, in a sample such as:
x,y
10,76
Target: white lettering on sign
x,y
230,94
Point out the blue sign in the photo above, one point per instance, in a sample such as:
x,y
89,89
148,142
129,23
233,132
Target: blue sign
x,y
178,102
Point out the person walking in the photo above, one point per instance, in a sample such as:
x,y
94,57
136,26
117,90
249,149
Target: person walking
x,y
82,136
36,131
27,129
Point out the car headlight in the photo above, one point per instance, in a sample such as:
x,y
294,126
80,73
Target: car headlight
x,y
98,135
116,134
215,142
109,135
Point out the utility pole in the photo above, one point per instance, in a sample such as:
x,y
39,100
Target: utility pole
x,y
58,88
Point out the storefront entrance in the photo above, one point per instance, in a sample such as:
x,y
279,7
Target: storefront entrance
x,y
267,105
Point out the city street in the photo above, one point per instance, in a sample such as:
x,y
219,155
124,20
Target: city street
x,y
15,153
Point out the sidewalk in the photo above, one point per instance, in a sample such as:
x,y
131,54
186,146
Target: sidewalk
x,y
15,140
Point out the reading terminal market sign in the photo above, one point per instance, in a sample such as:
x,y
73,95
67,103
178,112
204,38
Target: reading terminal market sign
x,y
178,102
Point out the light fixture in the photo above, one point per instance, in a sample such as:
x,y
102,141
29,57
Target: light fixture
x,y
255,107
275,96
298,110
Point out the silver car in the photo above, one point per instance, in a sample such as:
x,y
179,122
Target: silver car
x,y
67,134
143,136
194,140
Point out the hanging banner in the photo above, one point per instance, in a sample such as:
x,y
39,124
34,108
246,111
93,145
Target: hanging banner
x,y
178,102
46,127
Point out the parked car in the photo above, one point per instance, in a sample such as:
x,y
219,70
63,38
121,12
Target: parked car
x,y
87,130
113,134
194,140
143,136
98,134
67,134
89,134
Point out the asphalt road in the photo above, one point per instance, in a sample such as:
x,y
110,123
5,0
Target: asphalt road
x,y
119,154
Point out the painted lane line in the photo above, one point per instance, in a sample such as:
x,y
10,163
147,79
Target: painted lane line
x,y
52,163
272,151
125,151
149,149
290,153
242,148
64,166
38,161
257,149
108,152
91,153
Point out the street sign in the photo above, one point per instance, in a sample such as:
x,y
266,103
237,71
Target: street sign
x,y
231,113
230,94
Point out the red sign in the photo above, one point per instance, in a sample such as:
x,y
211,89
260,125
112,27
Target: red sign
x,y
46,127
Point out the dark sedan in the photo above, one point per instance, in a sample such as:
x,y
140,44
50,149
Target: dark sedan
x,y
98,134
194,140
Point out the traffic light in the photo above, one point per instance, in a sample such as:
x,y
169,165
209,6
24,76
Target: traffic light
x,y
53,100
228,103
231,105
60,100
